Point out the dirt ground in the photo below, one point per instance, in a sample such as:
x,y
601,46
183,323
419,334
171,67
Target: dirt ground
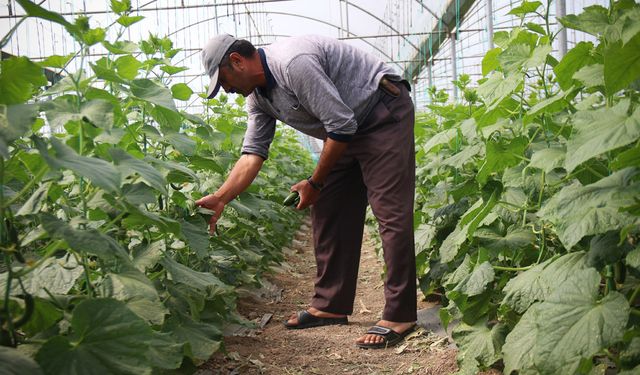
x,y
323,350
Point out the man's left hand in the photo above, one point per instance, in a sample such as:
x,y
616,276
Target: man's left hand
x,y
308,194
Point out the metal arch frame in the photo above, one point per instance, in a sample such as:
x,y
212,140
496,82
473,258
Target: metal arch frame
x,y
286,14
398,33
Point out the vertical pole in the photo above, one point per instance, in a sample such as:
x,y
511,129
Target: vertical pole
x,y
454,62
561,11
489,8
429,73
341,29
346,16
215,14
413,92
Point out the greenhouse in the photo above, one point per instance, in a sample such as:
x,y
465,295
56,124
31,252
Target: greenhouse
x,y
320,187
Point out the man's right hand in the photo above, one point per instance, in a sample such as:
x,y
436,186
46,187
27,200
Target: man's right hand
x,y
214,203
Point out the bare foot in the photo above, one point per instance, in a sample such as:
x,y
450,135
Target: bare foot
x,y
399,327
293,320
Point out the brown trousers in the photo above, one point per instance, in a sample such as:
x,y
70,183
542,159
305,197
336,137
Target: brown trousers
x,y
377,168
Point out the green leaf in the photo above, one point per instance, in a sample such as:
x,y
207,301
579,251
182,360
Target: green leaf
x,y
475,216
581,55
127,21
171,70
107,339
14,362
490,61
537,283
164,352
85,240
593,20
497,88
181,91
571,310
525,8
19,77
196,234
630,356
591,75
138,292
629,158
621,65
101,173
127,66
552,104
121,47
202,339
181,142
139,193
152,92
501,154
169,120
140,217
476,282
56,61
34,10
600,131
633,259
604,250
172,166
44,316
57,275
120,7
519,345
129,165
205,282
34,204
518,238
479,343
548,159
578,211
94,36
64,109
466,155
148,255
15,121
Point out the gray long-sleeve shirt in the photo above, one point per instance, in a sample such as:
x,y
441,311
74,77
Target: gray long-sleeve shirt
x,y
317,85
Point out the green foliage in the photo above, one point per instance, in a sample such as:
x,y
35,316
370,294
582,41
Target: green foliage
x,y
527,200
98,222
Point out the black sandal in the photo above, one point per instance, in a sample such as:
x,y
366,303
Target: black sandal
x,y
391,337
306,320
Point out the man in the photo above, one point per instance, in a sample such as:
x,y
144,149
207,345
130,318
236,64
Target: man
x,y
363,112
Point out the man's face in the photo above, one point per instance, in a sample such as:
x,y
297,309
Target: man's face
x,y
233,77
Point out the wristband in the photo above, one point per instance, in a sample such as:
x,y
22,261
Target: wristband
x,y
314,185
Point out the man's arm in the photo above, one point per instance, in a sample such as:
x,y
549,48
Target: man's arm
x,y
331,152
242,175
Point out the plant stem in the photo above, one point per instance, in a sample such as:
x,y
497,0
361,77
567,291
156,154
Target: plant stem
x,y
27,187
611,284
515,269
635,312
634,295
542,182
7,294
83,261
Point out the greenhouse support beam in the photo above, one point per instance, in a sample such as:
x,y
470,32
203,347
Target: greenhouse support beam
x,y
433,44
561,11
142,9
454,62
489,8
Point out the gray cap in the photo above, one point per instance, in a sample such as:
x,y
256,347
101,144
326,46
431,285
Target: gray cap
x,y
212,55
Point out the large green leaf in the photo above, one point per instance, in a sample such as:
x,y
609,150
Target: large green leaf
x,y
100,172
498,87
138,292
474,217
621,65
633,258
443,137
64,109
479,343
90,241
196,233
537,283
152,92
593,20
517,238
201,339
57,275
476,282
203,281
501,154
127,66
581,55
604,250
15,121
45,315
129,165
19,77
525,8
548,159
107,338
181,91
15,362
35,201
519,345
578,211
573,309
600,131
465,155
148,255
181,142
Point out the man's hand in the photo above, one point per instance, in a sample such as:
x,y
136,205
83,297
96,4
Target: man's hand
x,y
308,194
214,203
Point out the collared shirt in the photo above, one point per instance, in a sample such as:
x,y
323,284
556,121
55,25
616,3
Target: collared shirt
x,y
317,85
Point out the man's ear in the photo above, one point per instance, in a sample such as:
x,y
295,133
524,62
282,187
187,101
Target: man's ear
x,y
236,60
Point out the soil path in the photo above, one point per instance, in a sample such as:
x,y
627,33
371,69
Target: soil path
x,y
324,350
